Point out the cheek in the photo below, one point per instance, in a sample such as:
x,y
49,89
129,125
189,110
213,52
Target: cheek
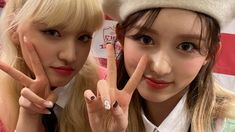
x,y
82,56
188,70
45,55
132,56
44,49
39,48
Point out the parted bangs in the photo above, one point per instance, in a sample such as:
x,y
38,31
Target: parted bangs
x,y
70,15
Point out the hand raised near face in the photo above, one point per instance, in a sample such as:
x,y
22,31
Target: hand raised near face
x,y
36,95
109,102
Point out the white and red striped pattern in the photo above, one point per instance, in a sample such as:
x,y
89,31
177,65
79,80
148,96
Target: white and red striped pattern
x,y
224,69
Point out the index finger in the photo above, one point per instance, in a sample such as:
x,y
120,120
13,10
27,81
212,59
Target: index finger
x,y
111,66
17,75
136,76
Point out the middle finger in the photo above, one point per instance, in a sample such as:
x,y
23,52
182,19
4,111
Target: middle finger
x,y
34,58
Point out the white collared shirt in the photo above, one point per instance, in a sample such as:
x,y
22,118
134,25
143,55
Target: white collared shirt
x,y
63,94
177,121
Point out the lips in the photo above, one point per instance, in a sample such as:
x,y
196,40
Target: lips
x,y
156,84
63,70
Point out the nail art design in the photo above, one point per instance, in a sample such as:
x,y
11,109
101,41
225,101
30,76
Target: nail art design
x,y
107,104
115,104
92,98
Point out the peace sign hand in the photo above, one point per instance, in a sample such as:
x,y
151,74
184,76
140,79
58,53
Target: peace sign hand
x,y
110,99
36,95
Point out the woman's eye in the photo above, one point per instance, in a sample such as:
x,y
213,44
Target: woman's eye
x,y
187,46
144,39
52,32
85,38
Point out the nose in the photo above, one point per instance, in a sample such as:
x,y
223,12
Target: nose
x,y
68,51
160,63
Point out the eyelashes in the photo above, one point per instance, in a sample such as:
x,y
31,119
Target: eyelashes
x,y
143,39
57,34
51,32
188,47
85,38
183,46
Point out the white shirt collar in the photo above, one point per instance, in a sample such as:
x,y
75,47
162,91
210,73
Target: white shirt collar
x,y
64,93
178,120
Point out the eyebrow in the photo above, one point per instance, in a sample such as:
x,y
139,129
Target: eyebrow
x,y
145,29
193,36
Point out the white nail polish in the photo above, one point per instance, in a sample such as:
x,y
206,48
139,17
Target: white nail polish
x,y
48,112
25,39
48,104
107,105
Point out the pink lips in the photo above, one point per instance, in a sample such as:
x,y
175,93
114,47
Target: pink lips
x,y
63,70
156,84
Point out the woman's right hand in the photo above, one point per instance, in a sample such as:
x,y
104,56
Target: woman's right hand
x,y
36,95
109,102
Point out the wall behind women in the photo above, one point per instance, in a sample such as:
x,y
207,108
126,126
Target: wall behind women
x,y
224,70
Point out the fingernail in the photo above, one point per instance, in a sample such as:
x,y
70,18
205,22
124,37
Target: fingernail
x,y
115,104
48,104
25,39
92,98
107,104
48,112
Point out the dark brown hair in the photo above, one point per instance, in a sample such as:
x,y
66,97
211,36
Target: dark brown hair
x,y
201,86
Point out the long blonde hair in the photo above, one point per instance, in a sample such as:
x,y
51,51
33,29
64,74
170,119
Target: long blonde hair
x,y
70,15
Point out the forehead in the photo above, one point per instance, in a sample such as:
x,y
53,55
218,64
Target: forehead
x,y
176,20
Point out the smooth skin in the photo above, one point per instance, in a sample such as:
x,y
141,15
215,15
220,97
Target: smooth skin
x,y
108,97
161,63
36,95
45,51
175,59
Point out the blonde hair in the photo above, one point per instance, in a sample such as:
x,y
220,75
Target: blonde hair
x,y
70,15
74,116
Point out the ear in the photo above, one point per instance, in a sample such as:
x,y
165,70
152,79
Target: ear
x,y
218,50
14,36
205,62
219,47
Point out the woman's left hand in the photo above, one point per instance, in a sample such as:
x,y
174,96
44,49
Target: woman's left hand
x,y
111,102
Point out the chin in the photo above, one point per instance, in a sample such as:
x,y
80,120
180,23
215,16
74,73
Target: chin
x,y
155,98
59,83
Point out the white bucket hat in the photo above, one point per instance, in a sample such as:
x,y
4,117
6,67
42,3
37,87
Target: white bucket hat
x,y
222,10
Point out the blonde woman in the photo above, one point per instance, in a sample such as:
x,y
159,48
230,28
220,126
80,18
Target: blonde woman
x,y
169,49
44,49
